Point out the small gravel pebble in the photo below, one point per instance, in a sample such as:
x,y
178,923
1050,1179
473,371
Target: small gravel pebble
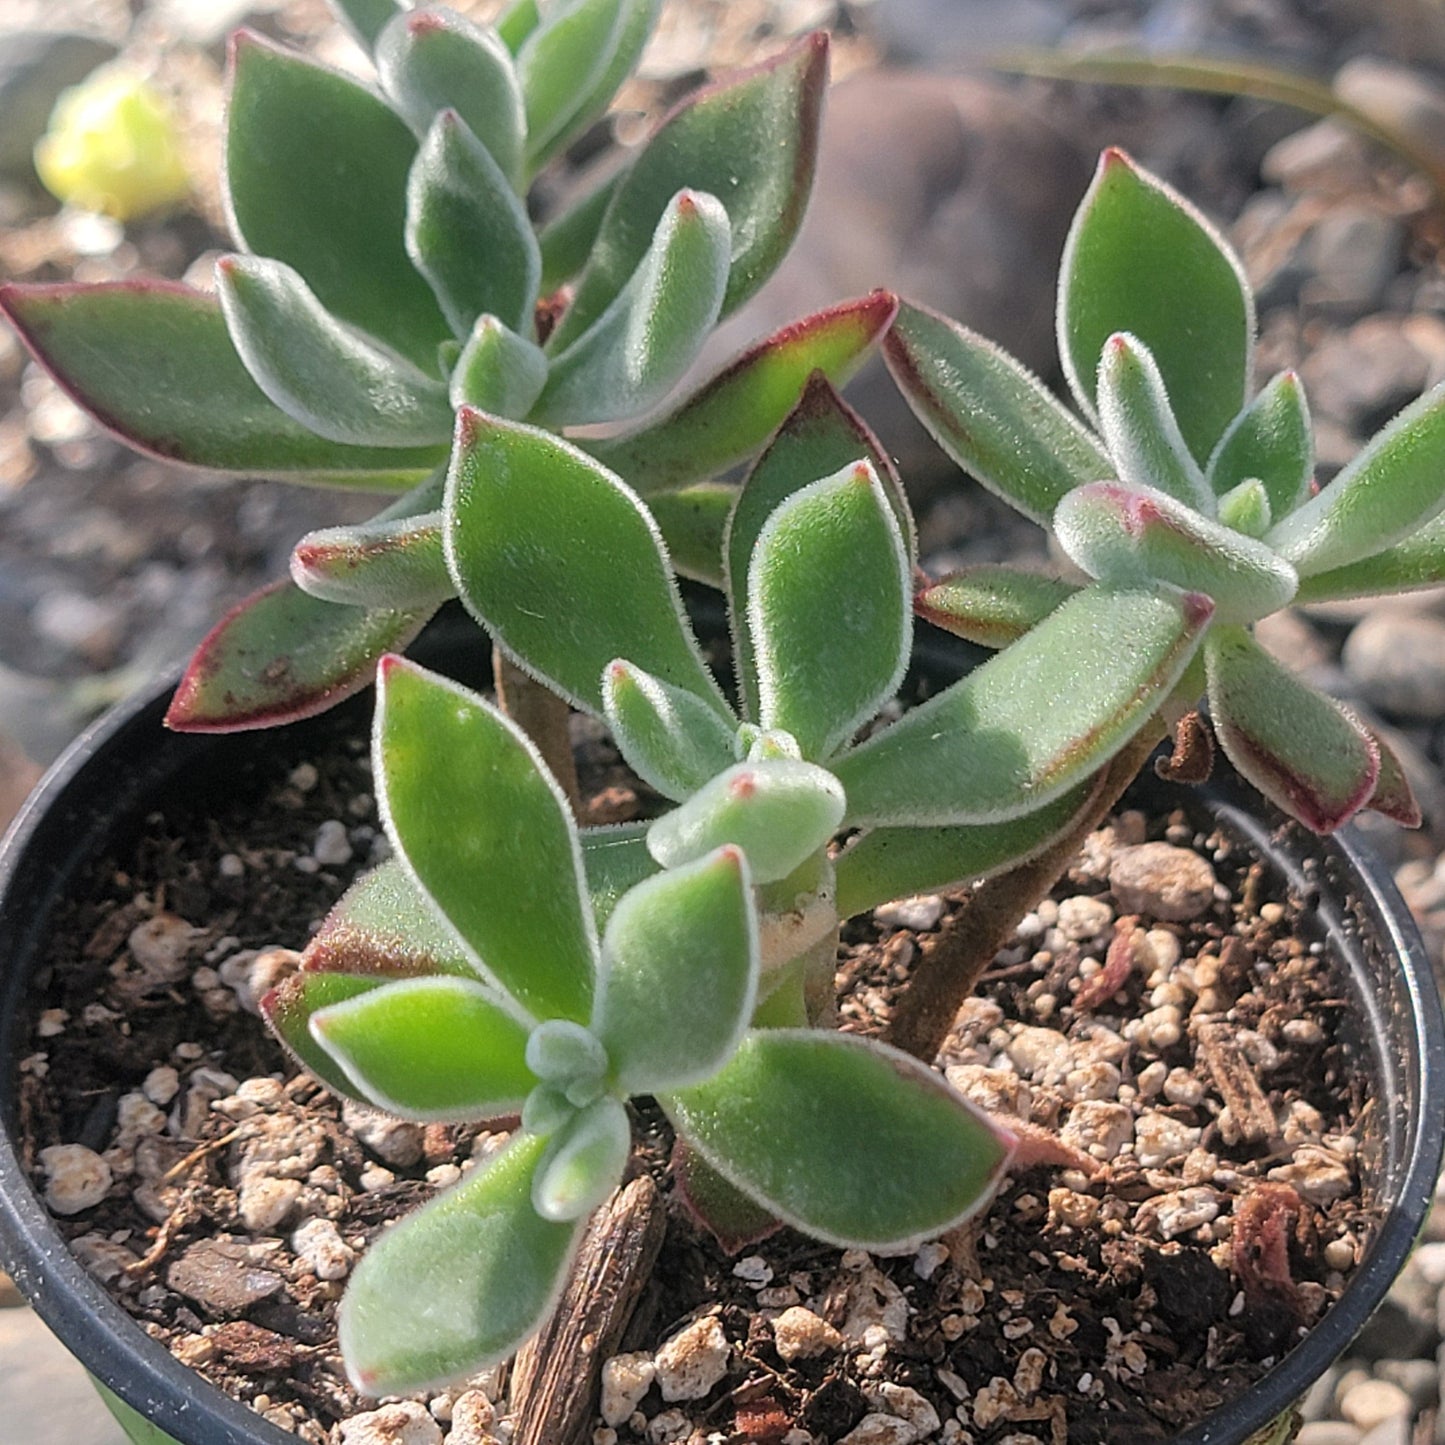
x,y
1371,1402
692,1361
1165,882
405,1423
76,1178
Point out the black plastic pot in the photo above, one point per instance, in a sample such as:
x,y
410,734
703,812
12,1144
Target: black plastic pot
x,y
98,794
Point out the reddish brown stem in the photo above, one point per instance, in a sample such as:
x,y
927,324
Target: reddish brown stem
x,y
950,967
543,716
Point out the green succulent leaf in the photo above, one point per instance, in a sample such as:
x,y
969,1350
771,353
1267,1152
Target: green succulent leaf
x,y
1272,440
693,521
679,975
567,239
333,379
641,346
366,19
467,232
615,858
1128,535
670,738
829,610
733,413
458,1285
375,564
990,604
778,812
751,141
888,863
1418,561
498,371
1140,431
287,1010
732,1218
563,1053
537,536
1393,796
1246,508
991,415
1394,486
1142,259
154,363
489,837
999,743
430,1048
821,436
784,1119
516,22
434,60
316,169
280,656
584,1161
1301,749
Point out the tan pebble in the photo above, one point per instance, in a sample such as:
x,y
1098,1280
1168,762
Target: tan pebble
x,y
321,1249
1372,1402
472,1418
692,1361
1062,1324
161,1085
404,1423
928,1258
999,1091
874,1303
1169,1215
903,1403
1096,1079
52,1022
667,1427
1315,1174
1161,881
880,1430
1150,1080
1077,1211
265,1204
625,1380
395,1141
1340,1253
1302,1033
1165,946
1098,1128
996,1401
1044,1054
1029,1372
1083,918
162,946
1160,1139
76,1178
1182,1087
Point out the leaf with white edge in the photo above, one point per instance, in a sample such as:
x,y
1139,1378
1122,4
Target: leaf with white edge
x,y
999,743
516,22
154,363
567,238
750,140
1137,420
316,168
467,231
989,413
643,344
692,521
829,610
1393,796
333,379
888,863
458,1285
732,1219
430,1048
287,1011
991,604
784,1119
739,408
1272,440
778,812
538,535
1142,259
1301,749
498,371
1418,561
488,834
616,859
1246,508
434,59
280,656
670,738
819,438
679,974
376,564
366,19
1393,487
1129,535
585,1161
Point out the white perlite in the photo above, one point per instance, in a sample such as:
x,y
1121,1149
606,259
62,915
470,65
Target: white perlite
x,y
692,1361
920,913
332,847
799,1334
321,1249
76,1178
405,1423
625,1380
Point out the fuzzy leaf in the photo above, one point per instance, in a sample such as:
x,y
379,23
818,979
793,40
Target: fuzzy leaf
x,y
1392,488
1139,427
430,1048
1272,440
1418,561
732,1219
154,363
784,1120
821,436
990,414
751,141
434,59
316,169
1246,508
333,379
990,604
375,564
498,371
584,1163
734,412
366,19
641,346
679,974
280,656
488,835
1142,259
287,1010
778,812
537,536
888,863
1393,796
459,1284
670,738
829,610
516,22
616,859
1300,748
1133,535
467,232
567,239
693,521
999,743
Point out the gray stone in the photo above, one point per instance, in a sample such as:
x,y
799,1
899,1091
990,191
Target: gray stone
x,y
1394,1431
1374,1402
34,68
1402,98
1398,662
1319,1401
1354,253
1328,155
1361,377
1417,1378
939,33
1329,1432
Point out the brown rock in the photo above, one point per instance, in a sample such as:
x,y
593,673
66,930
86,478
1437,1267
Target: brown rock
x,y
223,1276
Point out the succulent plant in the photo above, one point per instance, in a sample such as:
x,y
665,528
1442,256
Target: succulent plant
x,y
388,271
1181,490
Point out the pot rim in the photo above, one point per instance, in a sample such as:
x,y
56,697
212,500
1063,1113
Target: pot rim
x,y
116,1351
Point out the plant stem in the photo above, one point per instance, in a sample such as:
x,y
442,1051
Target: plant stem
x,y
542,715
949,969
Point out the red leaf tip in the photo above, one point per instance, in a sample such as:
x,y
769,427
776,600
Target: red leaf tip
x,y
424,22
732,855
744,785
1114,157
1198,608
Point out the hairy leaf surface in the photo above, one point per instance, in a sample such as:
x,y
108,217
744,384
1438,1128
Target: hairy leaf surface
x,y
669,737
1272,440
991,604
